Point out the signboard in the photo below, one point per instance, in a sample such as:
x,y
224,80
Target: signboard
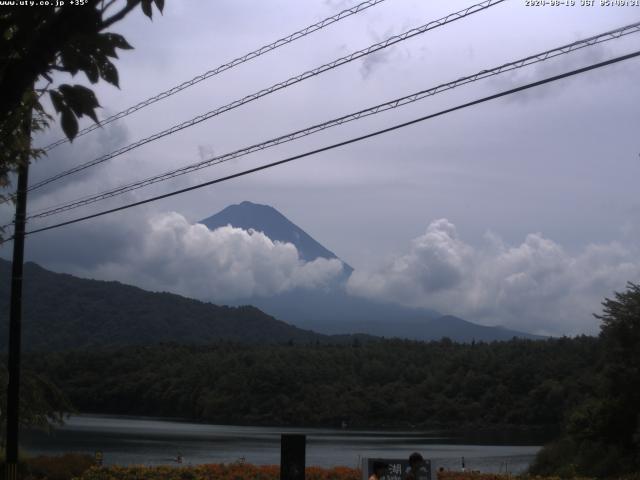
x,y
292,457
396,468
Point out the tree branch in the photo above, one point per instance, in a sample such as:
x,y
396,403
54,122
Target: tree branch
x,y
119,16
106,7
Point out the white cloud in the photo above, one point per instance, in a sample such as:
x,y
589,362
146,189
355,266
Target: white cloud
x,y
536,286
221,265
435,263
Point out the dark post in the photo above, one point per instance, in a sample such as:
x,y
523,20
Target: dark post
x,y
292,457
15,320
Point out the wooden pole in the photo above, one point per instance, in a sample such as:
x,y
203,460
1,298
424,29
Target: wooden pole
x,y
15,317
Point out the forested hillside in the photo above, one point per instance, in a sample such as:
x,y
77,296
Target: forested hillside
x,y
62,311
388,383
66,312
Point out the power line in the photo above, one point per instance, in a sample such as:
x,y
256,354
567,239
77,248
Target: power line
x,y
346,142
278,86
222,68
398,102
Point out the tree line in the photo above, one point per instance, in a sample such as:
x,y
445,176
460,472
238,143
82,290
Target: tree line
x,y
391,383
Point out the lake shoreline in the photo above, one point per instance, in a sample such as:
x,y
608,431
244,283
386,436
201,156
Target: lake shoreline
x,y
541,434
144,441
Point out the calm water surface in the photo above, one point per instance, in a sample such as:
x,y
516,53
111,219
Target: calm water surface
x,y
146,441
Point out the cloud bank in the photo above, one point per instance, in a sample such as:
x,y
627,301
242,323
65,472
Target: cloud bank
x,y
170,254
536,286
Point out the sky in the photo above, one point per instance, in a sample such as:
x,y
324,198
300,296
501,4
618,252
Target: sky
x,y
522,211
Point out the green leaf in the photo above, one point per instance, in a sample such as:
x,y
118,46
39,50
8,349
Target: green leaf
x,y
118,41
159,4
69,124
107,49
69,60
91,71
57,100
146,8
87,63
109,73
78,97
81,100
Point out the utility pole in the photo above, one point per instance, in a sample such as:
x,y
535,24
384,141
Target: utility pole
x,y
15,314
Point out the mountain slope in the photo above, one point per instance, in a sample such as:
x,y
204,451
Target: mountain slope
x,y
332,310
273,224
62,311
463,331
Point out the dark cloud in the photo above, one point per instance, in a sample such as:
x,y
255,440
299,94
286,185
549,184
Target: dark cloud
x,y
374,61
205,152
558,65
83,247
562,160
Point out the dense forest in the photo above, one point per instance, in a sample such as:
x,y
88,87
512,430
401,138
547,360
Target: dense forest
x,y
382,384
601,435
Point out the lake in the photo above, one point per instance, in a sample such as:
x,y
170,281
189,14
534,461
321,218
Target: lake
x,y
150,441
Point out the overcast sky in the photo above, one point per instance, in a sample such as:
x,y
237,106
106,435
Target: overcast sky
x,y
522,212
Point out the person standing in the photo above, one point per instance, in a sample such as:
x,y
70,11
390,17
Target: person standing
x,y
417,469
379,469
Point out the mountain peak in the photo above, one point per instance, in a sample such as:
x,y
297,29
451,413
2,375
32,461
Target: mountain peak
x,y
246,204
264,218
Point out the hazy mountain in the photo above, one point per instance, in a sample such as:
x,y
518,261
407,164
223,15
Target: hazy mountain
x,y
334,311
274,225
62,311
331,310
464,331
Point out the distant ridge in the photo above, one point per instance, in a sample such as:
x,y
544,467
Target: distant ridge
x,y
62,312
461,330
66,312
335,311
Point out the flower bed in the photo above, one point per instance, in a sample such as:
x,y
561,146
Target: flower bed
x,y
232,471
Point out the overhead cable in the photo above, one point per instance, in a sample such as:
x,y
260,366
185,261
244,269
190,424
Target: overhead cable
x,y
274,88
392,104
343,143
224,67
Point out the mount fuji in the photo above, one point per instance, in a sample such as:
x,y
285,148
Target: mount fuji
x,y
332,310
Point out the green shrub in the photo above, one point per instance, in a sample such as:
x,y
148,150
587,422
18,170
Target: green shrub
x,y
553,459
